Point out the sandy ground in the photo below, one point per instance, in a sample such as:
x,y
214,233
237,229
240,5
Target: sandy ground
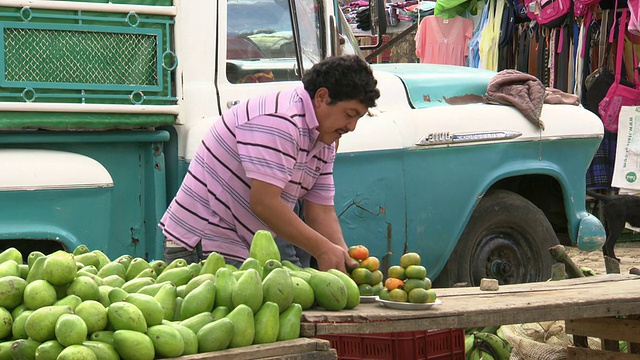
x,y
628,252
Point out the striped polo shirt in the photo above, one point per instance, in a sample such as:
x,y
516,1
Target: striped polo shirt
x,y
272,138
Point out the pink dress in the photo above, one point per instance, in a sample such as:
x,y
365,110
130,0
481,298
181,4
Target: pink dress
x,y
443,41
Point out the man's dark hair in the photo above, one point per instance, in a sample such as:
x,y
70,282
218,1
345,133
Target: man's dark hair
x,y
346,77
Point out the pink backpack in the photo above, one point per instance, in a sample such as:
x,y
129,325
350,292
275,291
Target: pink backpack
x,y
553,13
634,17
582,7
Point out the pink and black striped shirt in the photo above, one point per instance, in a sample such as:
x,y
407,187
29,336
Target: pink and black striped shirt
x,y
272,138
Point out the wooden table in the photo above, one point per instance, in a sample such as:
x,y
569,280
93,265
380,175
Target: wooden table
x,y
588,305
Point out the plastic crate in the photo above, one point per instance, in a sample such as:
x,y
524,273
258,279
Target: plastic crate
x,y
430,345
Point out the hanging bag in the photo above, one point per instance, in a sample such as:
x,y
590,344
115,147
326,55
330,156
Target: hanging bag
x,y
634,17
619,94
553,13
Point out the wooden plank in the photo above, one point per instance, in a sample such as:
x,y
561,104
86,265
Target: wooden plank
x,y
605,328
588,297
279,350
575,353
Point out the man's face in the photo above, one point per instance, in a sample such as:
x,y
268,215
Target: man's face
x,y
336,119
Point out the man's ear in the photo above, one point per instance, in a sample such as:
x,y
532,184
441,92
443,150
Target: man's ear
x,y
322,96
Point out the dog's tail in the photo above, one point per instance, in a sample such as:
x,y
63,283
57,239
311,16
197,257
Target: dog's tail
x,y
597,195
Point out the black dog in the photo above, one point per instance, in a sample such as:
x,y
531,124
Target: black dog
x,y
617,210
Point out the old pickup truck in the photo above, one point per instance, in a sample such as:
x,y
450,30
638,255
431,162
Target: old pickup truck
x,y
102,104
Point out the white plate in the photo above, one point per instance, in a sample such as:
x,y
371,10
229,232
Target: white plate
x,y
407,305
368,299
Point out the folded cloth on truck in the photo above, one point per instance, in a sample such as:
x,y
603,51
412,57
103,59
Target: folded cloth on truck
x,y
526,92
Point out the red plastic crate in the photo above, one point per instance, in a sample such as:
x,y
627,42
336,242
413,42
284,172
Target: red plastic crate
x,y
429,345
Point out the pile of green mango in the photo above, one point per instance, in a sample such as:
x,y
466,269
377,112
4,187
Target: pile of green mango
x,y
82,305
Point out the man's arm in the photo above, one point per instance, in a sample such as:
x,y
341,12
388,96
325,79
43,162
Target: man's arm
x,y
323,219
267,204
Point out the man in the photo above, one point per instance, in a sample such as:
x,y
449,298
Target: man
x,y
262,156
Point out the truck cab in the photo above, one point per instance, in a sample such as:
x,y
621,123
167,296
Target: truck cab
x,y
104,104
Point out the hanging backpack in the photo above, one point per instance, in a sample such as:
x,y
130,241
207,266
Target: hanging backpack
x,y
582,7
634,17
531,9
520,11
553,13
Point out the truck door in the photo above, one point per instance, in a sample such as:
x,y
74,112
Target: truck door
x,y
262,48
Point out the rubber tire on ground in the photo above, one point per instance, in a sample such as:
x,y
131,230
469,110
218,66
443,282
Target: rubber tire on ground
x,y
507,238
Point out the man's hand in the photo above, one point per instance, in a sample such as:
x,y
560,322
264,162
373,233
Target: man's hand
x,y
335,257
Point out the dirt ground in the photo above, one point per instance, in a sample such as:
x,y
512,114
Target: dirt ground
x,y
628,252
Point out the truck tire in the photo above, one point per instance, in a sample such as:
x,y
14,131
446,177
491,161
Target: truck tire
x,y
507,238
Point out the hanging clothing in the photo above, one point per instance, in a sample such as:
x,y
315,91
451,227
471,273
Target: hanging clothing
x,y
473,59
443,41
491,36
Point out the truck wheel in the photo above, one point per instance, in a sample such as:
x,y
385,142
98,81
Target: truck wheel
x,y
507,238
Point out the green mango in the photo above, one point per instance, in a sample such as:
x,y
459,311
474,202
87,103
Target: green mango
x,y
84,287
215,335
126,316
200,299
11,254
98,280
212,263
189,338
178,276
31,258
11,291
125,260
17,327
263,247
248,290
9,268
59,268
76,352
94,315
243,326
177,263
41,324
112,268
270,265
38,294
166,296
225,282
70,330
105,336
219,312
136,284
329,290
80,249
251,263
88,259
278,288
24,349
197,280
167,341
148,272
103,297
196,322
6,323
289,319
49,350
70,300
158,266
113,281
195,267
5,350
303,293
103,259
267,323
353,292
35,270
135,267
148,305
101,350
151,289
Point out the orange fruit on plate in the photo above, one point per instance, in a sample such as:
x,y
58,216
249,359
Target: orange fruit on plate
x,y
393,283
396,272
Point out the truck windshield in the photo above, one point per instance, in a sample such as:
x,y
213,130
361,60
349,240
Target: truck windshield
x,y
260,39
